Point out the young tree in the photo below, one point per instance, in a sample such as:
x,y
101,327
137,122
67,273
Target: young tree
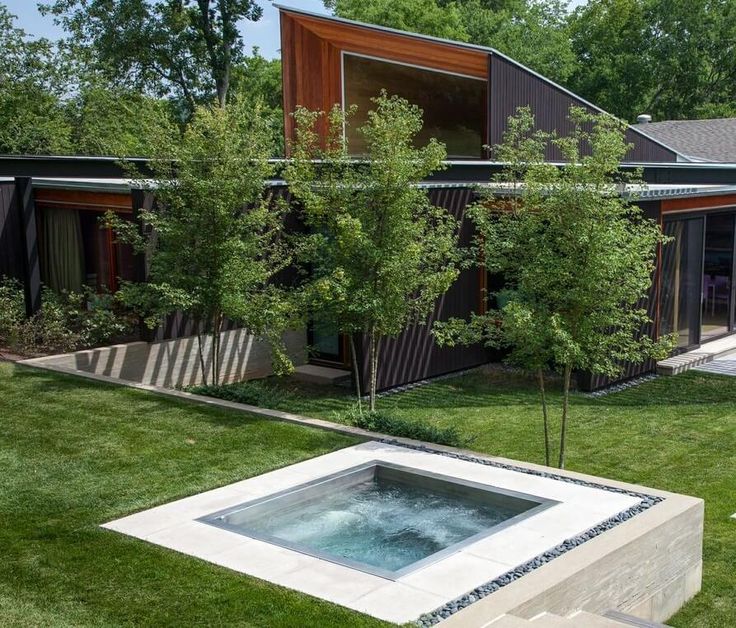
x,y
576,256
214,242
380,252
189,46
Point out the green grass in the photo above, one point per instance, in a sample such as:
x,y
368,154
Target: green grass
x,y
676,434
74,454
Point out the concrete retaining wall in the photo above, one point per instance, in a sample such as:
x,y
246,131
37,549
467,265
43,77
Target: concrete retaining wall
x,y
648,567
175,363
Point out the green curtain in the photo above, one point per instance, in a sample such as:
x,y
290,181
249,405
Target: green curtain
x,y
62,255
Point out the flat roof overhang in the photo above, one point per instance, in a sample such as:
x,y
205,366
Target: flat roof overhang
x,y
109,173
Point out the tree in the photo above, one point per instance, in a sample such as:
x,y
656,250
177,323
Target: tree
x,y
189,46
215,241
532,32
577,258
258,79
380,252
422,16
115,121
32,81
670,58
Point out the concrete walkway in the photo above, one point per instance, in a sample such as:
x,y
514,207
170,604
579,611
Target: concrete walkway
x,y
724,365
704,354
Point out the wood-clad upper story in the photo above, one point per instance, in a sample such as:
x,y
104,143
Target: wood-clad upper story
x,y
469,91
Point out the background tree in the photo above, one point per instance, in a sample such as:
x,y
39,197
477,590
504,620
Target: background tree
x,y
671,58
258,79
380,252
116,121
188,46
215,241
32,83
576,256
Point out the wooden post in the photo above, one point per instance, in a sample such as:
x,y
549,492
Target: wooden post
x,y
29,243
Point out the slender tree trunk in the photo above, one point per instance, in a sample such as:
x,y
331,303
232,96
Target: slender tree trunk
x,y
565,403
216,333
356,372
201,352
374,367
540,376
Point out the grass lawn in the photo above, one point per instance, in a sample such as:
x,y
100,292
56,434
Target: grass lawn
x,y
75,454
674,433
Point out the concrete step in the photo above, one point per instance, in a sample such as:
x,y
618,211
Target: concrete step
x,y
324,375
550,620
630,620
584,619
702,355
510,621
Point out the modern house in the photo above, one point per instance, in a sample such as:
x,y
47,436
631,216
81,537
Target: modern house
x,y
467,93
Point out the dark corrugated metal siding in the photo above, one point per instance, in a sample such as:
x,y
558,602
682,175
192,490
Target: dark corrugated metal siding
x,y
589,381
11,246
512,86
414,355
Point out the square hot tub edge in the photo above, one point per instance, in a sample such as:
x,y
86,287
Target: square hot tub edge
x,y
281,518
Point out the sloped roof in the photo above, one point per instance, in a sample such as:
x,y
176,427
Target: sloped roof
x,y
677,155
704,140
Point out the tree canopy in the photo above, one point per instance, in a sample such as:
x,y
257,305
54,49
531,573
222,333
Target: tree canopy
x,y
189,46
380,253
576,258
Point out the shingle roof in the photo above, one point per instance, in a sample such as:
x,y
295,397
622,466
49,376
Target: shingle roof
x,y
707,140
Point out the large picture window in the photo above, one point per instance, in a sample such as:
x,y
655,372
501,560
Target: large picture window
x,y
453,106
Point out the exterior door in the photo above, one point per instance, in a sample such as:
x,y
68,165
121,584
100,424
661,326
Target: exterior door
x,y
717,286
681,279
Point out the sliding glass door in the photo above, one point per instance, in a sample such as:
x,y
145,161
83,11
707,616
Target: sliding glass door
x,y
697,280
682,264
718,256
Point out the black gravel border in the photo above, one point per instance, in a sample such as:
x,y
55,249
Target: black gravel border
x,y
459,603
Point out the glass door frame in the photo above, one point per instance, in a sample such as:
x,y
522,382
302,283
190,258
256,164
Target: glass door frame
x,y
731,323
675,216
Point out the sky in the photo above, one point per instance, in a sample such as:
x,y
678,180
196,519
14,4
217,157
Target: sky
x,y
264,33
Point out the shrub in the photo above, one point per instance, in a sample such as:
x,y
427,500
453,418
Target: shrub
x,y
64,323
253,393
385,423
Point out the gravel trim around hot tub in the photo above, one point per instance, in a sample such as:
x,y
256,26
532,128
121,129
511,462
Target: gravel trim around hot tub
x,y
459,603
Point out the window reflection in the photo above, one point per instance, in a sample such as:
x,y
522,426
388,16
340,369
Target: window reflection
x,y
453,106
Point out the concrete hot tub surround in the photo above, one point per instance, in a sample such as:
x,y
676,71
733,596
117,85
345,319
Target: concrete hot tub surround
x,y
590,544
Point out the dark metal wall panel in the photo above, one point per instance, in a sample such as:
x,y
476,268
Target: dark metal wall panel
x,y
512,86
589,381
414,355
11,246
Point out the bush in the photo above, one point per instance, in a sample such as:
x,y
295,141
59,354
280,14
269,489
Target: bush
x,y
64,323
381,421
253,393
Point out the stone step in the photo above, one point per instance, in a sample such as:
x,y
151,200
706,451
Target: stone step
x,y
510,621
630,620
550,620
323,375
584,619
